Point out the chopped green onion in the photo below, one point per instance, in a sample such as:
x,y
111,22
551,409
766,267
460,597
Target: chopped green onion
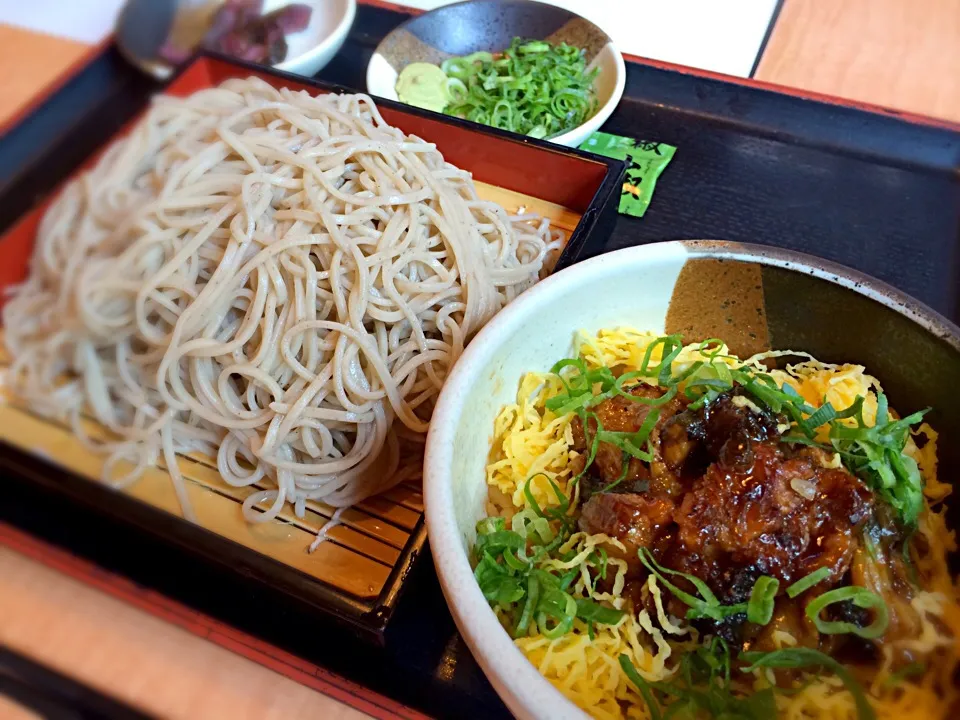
x,y
509,591
579,387
629,442
557,513
705,606
672,345
914,669
646,557
668,342
643,687
560,607
805,583
773,398
535,47
799,658
499,541
513,562
531,526
716,612
761,603
824,414
862,598
593,612
691,371
709,383
705,345
669,395
882,410
854,411
490,525
526,615
567,580
489,575
624,469
705,690
456,90
602,571
876,455
535,88
794,439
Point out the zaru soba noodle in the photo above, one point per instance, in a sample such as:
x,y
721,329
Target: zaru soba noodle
x,y
273,279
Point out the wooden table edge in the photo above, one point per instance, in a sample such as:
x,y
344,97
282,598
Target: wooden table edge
x,y
206,628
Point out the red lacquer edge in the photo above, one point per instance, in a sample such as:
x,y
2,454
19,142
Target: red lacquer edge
x,y
301,671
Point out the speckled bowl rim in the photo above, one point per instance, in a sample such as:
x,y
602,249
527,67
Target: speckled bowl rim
x,y
416,18
521,686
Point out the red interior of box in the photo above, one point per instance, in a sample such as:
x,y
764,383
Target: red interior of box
x,y
551,175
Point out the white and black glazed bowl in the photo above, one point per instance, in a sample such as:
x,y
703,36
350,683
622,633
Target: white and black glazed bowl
x,y
754,297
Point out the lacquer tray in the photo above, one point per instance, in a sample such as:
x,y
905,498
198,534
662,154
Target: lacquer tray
x,y
357,573
862,186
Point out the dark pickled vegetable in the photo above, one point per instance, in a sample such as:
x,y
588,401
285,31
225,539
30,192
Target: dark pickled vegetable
x,y
240,29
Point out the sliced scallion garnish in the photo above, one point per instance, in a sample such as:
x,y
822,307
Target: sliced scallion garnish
x,y
803,658
702,688
805,583
914,669
862,598
762,598
535,88
705,606
643,687
874,453
510,575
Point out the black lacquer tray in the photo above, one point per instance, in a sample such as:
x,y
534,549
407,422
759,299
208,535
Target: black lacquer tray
x,y
876,191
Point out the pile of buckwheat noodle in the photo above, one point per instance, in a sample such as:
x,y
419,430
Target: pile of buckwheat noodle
x,y
276,280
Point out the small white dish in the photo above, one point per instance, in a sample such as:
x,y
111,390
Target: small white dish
x,y
309,50
490,25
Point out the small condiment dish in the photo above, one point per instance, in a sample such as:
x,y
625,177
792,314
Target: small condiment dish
x,y
490,25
